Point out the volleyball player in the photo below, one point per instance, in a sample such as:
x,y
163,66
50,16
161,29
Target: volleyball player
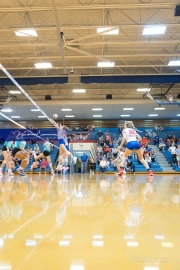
x,y
20,153
132,138
46,153
7,147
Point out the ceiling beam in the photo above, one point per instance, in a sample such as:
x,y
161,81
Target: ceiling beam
x,y
88,7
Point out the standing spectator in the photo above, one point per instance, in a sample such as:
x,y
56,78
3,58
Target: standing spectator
x,y
114,152
156,139
84,158
103,164
100,135
178,155
172,149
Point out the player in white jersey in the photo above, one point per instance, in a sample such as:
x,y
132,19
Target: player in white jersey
x,y
132,138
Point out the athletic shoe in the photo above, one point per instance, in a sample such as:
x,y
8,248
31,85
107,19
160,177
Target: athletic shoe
x,y
150,173
21,172
121,172
59,168
52,172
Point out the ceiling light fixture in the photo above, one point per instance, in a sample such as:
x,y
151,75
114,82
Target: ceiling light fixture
x,y
97,109
97,115
154,30
128,109
35,110
125,115
15,116
153,115
15,92
43,65
6,110
178,114
110,32
79,91
159,109
69,116
174,63
41,116
26,33
66,110
143,89
105,64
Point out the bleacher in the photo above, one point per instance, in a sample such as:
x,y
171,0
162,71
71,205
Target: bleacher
x,y
167,155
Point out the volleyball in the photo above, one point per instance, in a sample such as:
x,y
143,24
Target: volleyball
x,y
55,116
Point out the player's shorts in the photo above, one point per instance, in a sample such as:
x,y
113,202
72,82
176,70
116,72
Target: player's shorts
x,y
134,145
46,153
67,147
61,141
15,150
4,148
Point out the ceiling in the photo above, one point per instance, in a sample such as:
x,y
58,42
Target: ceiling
x,y
82,47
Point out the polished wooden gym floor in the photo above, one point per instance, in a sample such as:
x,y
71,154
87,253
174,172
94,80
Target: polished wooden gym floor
x,y
83,222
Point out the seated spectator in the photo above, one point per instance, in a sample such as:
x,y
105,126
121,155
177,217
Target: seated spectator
x,y
80,136
143,149
114,152
156,139
99,158
114,136
100,149
147,136
172,149
153,156
178,155
103,165
119,130
107,132
130,166
144,141
36,148
109,155
148,148
169,137
91,128
162,145
148,160
175,139
106,149
107,138
110,144
35,165
44,164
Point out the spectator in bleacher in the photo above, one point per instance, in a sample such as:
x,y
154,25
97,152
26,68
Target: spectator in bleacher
x,y
114,152
175,139
156,139
91,128
35,165
130,166
172,150
84,159
107,132
100,135
148,148
110,144
178,155
120,139
109,156
153,156
147,136
100,149
107,138
162,145
103,165
119,130
99,158
113,162
114,136
80,136
148,159
106,149
144,141
36,148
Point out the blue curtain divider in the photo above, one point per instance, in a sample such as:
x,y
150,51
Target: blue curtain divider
x,y
34,81
132,79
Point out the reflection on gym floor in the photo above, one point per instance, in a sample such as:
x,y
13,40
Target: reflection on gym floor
x,y
82,222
